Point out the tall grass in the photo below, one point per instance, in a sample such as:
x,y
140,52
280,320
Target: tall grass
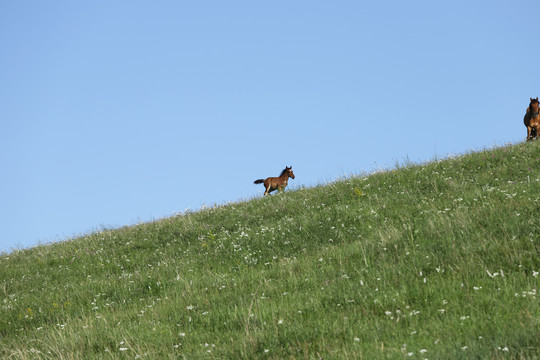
x,y
435,261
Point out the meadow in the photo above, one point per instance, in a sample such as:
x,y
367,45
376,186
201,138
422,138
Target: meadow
x,y
422,261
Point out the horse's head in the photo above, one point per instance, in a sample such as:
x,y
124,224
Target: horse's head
x,y
533,106
288,170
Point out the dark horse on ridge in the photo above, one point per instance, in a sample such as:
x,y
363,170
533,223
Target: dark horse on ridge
x,y
276,183
532,119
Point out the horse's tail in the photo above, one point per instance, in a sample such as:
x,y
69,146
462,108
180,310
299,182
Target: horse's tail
x,y
260,181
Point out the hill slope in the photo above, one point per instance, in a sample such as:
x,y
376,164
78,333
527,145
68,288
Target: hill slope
x,y
428,261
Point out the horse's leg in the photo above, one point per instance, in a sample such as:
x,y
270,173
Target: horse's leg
x,y
529,133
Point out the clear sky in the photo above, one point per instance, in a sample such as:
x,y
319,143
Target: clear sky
x,y
116,112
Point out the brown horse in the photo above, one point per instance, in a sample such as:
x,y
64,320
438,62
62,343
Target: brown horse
x,y
532,119
276,183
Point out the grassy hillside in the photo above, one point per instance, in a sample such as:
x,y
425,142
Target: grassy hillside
x,y
435,261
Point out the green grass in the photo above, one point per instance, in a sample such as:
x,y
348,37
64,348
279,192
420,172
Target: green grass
x,y
435,261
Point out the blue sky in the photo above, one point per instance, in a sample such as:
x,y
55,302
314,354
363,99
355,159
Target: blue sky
x,y
115,112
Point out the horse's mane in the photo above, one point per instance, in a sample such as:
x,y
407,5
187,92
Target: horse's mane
x,y
283,172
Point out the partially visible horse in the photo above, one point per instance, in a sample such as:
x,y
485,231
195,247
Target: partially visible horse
x,y
532,119
276,183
